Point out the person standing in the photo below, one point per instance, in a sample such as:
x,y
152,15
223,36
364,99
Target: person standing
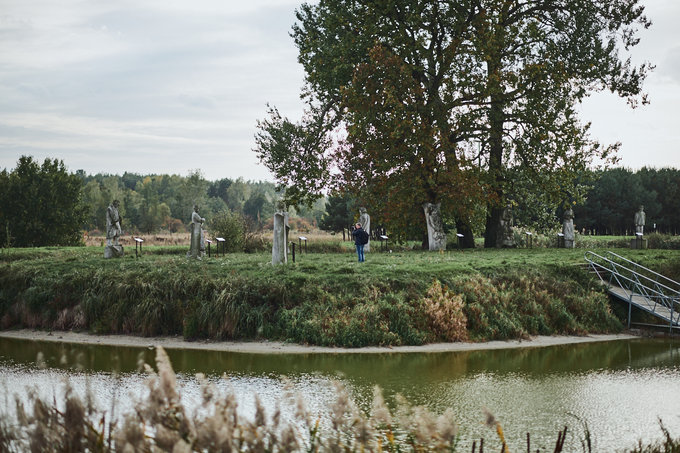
x,y
365,221
360,239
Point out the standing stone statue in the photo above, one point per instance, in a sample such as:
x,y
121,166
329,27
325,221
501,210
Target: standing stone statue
x,y
505,236
640,220
365,221
568,228
435,227
113,231
197,244
280,242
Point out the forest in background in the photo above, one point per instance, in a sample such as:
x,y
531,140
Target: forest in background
x,y
44,204
153,203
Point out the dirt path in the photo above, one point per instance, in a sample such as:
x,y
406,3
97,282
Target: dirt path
x,y
276,347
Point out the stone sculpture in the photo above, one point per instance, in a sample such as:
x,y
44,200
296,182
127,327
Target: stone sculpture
x,y
197,244
435,227
568,228
640,220
365,221
113,231
505,236
280,242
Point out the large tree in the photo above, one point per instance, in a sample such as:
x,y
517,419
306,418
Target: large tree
x,y
422,104
40,205
381,75
537,59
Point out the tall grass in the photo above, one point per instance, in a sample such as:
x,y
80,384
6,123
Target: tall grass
x,y
324,298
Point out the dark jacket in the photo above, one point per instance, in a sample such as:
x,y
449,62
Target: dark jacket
x,y
357,236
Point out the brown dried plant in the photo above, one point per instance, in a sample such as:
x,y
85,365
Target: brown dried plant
x,y
445,313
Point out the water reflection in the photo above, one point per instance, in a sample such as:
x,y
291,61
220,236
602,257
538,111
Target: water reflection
x,y
390,367
619,388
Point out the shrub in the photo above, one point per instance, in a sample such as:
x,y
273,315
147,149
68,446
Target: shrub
x,y
445,313
232,226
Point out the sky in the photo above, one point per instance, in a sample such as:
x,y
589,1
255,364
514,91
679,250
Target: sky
x,y
173,86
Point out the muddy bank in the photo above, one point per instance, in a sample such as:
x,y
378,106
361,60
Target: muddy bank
x,y
276,347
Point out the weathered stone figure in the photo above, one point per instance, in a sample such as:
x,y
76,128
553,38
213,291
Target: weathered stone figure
x,y
640,220
280,242
197,244
568,228
365,221
435,227
113,231
506,237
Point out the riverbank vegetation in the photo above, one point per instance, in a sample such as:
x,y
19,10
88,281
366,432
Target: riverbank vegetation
x,y
399,298
161,421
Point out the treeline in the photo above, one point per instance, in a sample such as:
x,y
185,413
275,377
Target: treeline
x,y
618,193
47,205
151,203
613,198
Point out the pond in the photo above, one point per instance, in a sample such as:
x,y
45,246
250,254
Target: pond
x,y
618,389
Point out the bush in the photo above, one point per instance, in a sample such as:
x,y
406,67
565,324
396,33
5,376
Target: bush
x,y
445,313
233,227
663,241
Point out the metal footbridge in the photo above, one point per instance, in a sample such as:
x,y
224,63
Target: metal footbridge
x,y
638,287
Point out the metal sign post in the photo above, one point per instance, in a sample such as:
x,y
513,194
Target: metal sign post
x,y
138,242
224,250
383,240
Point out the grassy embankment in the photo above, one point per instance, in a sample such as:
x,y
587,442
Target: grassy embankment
x,y
404,297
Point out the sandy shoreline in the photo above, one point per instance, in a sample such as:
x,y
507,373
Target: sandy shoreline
x,y
276,347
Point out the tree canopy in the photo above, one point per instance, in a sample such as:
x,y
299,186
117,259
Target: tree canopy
x,y
40,205
441,103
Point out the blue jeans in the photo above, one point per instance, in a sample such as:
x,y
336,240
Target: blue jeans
x,y
360,252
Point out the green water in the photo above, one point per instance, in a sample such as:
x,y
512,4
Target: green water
x,y
620,388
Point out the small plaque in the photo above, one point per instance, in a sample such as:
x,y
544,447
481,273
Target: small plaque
x,y
220,239
140,240
383,237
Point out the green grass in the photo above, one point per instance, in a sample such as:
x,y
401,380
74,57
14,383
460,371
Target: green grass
x,y
323,298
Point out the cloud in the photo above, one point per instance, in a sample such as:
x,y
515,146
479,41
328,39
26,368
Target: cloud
x,y
186,80
671,65
172,85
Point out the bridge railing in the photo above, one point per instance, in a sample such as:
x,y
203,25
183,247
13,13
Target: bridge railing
x,y
634,278
671,284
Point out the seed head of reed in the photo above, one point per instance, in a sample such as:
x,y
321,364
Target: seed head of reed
x,y
380,412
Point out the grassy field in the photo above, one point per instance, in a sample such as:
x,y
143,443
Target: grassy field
x,y
326,298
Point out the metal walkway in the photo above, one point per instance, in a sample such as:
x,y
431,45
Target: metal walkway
x,y
638,286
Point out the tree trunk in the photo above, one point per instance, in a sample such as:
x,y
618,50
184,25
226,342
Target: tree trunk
x,y
496,119
435,227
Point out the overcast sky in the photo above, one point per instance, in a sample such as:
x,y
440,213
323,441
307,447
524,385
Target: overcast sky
x,y
169,86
